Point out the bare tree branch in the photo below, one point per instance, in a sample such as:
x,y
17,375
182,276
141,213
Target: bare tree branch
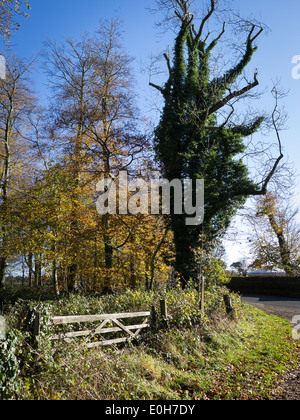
x,y
168,62
159,88
251,40
215,41
206,18
268,178
233,95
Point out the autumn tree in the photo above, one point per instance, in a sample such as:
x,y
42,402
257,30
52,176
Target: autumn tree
x,y
200,134
51,163
9,11
94,123
240,267
70,67
16,105
276,235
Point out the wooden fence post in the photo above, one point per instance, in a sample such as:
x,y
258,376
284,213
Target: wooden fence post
x,y
228,304
36,326
153,318
202,302
2,328
164,312
163,308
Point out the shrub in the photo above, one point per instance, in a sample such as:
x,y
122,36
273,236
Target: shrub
x,y
40,373
9,367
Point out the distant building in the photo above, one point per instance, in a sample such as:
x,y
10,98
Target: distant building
x,y
265,272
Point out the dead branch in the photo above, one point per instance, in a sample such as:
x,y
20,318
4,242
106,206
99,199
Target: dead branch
x,y
233,95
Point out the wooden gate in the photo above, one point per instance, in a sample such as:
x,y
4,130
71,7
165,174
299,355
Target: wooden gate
x,y
95,337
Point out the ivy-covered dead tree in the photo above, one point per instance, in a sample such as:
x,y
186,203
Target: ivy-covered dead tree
x,y
192,139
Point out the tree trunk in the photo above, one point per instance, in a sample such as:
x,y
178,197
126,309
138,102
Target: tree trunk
x,y
186,240
55,278
284,249
3,269
109,251
38,272
30,270
5,185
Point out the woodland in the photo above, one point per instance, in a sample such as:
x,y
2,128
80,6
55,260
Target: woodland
x,y
52,157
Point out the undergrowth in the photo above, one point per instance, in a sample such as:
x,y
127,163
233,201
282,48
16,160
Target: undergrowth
x,y
189,356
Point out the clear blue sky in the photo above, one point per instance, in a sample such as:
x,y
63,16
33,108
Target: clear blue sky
x,y
57,18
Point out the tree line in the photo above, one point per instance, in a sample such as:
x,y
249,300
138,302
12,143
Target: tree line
x,y
52,158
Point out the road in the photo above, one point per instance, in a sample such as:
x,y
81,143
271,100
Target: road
x,y
282,307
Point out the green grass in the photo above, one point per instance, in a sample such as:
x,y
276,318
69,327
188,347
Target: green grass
x,y
210,358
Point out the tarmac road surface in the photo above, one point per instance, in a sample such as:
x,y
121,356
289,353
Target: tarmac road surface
x,y
282,307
